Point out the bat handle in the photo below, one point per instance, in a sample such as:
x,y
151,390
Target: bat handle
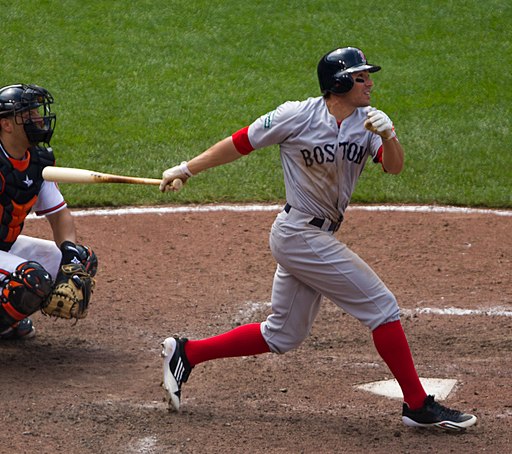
x,y
177,184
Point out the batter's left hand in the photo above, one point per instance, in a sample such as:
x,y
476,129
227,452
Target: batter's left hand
x,y
180,172
379,123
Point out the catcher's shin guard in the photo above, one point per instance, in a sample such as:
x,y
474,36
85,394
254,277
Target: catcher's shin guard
x,y
23,293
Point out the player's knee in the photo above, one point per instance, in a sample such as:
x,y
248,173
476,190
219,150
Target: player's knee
x,y
389,313
281,342
283,346
24,291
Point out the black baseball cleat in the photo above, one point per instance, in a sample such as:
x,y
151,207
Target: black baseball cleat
x,y
433,414
24,329
176,370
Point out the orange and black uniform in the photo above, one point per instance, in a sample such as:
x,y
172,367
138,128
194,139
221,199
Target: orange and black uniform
x,y
20,183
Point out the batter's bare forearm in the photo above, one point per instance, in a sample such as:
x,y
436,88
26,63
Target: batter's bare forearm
x,y
222,152
392,156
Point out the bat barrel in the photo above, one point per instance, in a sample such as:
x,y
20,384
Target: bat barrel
x,y
84,176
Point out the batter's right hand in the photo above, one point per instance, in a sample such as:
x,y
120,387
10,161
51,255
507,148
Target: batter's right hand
x,y
177,172
379,123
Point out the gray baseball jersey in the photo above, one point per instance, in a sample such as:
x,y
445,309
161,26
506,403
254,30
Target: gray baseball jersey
x,y
322,163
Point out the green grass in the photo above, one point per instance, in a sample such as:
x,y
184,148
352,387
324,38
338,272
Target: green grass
x,y
140,86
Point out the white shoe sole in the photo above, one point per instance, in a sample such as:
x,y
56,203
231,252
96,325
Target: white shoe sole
x,y
27,336
170,384
30,335
446,425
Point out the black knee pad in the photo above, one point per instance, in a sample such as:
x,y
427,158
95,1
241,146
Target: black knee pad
x,y
24,291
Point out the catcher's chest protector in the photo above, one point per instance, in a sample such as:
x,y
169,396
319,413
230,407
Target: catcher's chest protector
x,y
20,183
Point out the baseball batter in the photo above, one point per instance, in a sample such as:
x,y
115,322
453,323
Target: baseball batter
x,y
324,143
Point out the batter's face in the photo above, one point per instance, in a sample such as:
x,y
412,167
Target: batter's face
x,y
359,95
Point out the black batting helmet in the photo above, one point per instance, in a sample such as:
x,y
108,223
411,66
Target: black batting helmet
x,y
336,67
18,98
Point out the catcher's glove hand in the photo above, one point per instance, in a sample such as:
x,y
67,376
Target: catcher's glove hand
x,y
71,293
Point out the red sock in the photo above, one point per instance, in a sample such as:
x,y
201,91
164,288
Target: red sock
x,y
245,340
392,345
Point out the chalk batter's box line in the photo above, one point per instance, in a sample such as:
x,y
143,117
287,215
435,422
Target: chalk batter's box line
x,y
263,208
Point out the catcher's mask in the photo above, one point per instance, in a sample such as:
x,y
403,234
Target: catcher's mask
x,y
335,69
39,122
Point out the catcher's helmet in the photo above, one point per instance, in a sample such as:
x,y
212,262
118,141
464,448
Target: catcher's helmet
x,y
336,67
18,98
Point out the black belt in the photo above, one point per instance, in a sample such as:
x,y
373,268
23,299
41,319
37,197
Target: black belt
x,y
319,222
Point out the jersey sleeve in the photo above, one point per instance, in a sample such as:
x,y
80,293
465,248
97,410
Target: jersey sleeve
x,y
274,127
50,199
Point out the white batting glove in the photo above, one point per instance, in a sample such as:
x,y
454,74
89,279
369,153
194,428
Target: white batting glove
x,y
169,177
379,123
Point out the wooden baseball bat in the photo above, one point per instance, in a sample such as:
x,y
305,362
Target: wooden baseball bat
x,y
71,175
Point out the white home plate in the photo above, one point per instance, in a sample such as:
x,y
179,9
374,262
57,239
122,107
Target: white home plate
x,y
439,387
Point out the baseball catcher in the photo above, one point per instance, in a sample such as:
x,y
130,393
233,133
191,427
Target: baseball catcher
x,y
56,277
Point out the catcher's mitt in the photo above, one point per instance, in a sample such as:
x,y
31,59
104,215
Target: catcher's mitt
x,y
71,293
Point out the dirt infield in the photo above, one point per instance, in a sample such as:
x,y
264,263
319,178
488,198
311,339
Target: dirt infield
x,y
95,387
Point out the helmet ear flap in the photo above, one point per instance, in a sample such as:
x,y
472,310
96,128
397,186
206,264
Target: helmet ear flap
x,y
343,83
